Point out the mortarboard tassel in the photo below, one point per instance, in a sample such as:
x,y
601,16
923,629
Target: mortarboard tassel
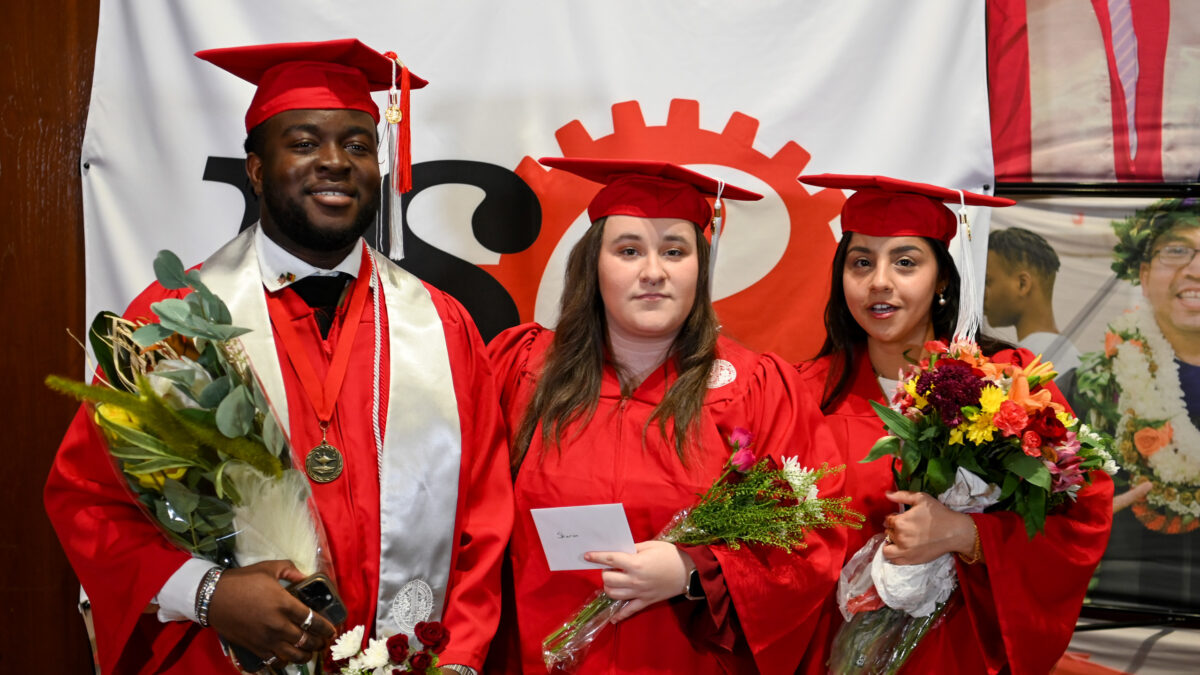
x,y
970,305
399,153
717,221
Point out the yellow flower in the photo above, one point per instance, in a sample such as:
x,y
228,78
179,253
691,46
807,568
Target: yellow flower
x,y
990,399
981,428
911,387
115,414
1068,420
956,434
154,481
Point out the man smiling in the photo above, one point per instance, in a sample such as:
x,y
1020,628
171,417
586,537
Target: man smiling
x,y
397,424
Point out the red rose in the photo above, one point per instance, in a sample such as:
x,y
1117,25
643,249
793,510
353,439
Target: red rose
x,y
1031,444
1010,419
433,635
397,647
420,662
1046,424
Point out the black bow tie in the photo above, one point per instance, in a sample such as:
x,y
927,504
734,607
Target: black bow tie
x,y
322,293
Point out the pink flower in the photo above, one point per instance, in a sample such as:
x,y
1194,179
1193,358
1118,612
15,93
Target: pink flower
x,y
741,438
1010,419
742,460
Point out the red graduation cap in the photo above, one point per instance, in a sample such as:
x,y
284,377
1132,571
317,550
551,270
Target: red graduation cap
x,y
331,75
649,188
889,207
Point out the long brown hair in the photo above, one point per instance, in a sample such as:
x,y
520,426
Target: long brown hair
x,y
844,338
569,386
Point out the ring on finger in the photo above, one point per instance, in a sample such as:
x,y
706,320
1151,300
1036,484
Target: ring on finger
x,y
307,621
271,661
300,643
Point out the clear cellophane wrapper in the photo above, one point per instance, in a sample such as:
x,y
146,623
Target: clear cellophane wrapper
x,y
564,649
253,516
876,639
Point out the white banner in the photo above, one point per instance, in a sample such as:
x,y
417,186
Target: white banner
x,y
753,92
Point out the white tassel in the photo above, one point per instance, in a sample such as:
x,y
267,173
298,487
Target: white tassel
x,y
395,220
717,221
273,520
970,297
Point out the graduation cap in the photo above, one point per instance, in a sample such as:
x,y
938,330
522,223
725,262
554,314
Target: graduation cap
x,y
654,189
330,75
649,188
890,207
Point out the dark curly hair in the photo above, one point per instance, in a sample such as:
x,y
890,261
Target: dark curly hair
x,y
1137,233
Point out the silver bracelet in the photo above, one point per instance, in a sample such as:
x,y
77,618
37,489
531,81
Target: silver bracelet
x,y
460,669
204,594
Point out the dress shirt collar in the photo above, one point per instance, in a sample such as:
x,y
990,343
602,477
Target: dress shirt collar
x,y
280,268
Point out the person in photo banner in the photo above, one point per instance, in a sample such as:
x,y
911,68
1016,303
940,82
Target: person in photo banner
x,y
1144,388
634,398
381,382
894,288
1019,292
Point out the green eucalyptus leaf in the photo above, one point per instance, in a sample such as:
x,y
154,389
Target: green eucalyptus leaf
x,y
216,391
168,269
173,309
273,438
150,334
235,414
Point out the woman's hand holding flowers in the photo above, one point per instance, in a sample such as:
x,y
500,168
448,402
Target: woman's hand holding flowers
x,y
926,530
658,571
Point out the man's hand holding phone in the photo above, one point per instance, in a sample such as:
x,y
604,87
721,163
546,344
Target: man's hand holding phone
x,y
250,608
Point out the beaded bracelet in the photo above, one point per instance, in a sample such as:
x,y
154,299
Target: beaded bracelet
x,y
204,594
976,551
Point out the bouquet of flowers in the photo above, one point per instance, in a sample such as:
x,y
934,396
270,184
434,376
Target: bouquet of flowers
x,y
393,654
751,502
189,428
978,435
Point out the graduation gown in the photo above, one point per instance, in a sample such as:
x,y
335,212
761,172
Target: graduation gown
x,y
123,561
761,602
1020,605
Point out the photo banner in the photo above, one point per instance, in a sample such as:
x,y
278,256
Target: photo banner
x,y
1122,315
754,94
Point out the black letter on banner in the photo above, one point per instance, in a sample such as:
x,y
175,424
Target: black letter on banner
x,y
232,170
506,221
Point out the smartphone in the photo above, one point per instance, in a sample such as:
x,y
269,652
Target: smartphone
x,y
317,593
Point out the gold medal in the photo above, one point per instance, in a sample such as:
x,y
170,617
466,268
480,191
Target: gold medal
x,y
323,463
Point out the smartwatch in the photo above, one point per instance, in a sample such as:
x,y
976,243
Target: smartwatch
x,y
694,590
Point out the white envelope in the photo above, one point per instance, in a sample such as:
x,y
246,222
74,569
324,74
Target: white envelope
x,y
567,532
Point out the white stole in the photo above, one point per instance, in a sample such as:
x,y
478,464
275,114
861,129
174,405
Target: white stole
x,y
419,463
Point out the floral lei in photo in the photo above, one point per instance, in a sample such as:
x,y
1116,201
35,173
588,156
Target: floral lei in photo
x,y
1133,386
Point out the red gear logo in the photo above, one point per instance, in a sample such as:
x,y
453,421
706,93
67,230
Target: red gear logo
x,y
783,310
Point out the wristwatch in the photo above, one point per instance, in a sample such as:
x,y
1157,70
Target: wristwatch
x,y
695,589
460,669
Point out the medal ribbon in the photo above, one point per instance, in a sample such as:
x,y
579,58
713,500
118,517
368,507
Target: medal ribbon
x,y
324,395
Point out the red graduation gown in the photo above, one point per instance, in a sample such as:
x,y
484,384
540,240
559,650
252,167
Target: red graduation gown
x,y
1022,602
761,604
123,561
